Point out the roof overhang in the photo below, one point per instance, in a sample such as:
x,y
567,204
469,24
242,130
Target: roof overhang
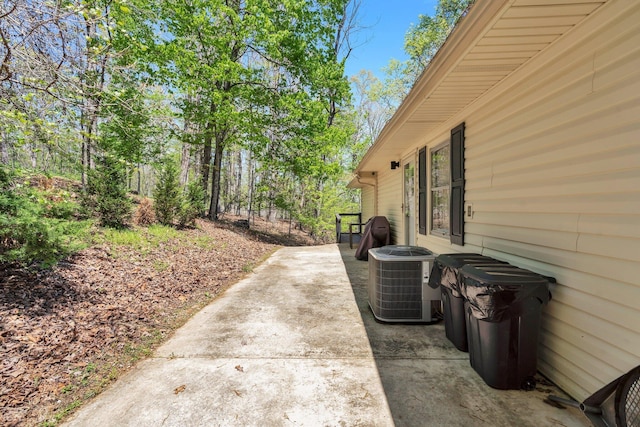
x,y
363,179
493,40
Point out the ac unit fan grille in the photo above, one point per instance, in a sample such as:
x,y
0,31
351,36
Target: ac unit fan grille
x,y
398,295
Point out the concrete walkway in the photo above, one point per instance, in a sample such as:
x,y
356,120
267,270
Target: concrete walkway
x,y
295,344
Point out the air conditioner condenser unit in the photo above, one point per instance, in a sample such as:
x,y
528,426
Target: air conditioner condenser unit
x,y
398,287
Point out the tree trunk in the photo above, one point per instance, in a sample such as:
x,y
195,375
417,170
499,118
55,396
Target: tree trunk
x,y
189,131
251,187
226,190
238,183
221,131
206,162
89,127
215,184
206,154
185,162
85,160
94,76
4,150
33,156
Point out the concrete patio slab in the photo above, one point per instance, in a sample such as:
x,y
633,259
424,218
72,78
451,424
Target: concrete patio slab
x,y
295,343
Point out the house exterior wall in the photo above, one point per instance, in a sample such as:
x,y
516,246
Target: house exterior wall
x,y
390,201
552,166
553,175
367,202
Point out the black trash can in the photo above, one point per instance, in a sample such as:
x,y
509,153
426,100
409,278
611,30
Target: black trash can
x,y
503,307
445,276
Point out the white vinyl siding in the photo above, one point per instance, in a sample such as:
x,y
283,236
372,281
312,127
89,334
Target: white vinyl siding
x,y
368,202
552,170
553,175
390,201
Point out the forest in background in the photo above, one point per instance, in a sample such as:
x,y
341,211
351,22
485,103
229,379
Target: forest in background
x,y
208,107
121,123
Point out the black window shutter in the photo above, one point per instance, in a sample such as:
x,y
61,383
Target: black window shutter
x,y
422,191
457,185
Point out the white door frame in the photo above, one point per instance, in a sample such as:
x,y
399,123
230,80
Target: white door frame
x,y
409,200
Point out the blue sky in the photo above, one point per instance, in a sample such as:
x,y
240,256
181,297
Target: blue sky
x,y
385,23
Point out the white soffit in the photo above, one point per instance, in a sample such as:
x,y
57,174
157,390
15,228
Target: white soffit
x,y
493,40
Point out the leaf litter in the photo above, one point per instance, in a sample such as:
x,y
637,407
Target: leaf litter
x,y
67,332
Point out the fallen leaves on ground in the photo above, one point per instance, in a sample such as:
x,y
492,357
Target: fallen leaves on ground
x,y
67,332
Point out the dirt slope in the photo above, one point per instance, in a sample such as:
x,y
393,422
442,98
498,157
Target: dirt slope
x,y
66,333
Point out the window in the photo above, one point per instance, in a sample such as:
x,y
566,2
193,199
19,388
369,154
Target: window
x,y
440,190
446,176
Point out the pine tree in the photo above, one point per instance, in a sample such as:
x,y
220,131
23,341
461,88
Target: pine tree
x,y
107,192
192,205
167,198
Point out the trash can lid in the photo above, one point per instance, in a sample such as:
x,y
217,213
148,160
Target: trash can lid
x,y
492,291
449,276
505,274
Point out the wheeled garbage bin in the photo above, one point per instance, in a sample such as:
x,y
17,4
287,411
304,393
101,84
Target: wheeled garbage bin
x,y
445,276
503,307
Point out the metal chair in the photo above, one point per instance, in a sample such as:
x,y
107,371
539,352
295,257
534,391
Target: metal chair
x,y
616,404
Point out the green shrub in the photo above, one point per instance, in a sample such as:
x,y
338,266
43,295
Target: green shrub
x,y
64,209
192,204
106,194
29,230
167,198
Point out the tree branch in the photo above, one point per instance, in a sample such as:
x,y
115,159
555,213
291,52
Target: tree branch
x,y
5,72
